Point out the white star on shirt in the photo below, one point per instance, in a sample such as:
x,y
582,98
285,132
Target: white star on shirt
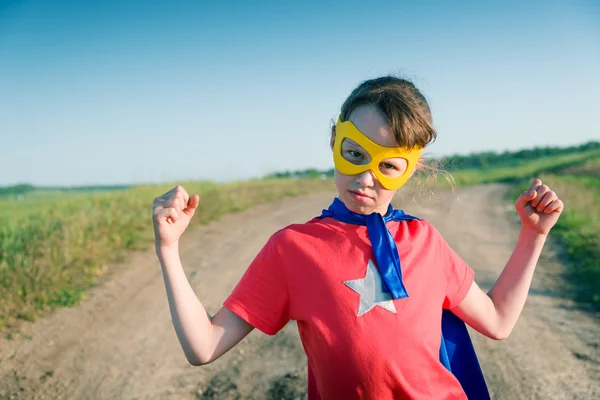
x,y
371,291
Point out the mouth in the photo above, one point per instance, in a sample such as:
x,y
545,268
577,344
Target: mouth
x,y
359,196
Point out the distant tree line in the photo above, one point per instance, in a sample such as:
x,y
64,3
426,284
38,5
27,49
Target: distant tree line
x,y
16,190
310,173
24,189
493,159
487,159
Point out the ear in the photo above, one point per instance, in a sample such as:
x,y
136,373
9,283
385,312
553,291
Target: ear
x,y
332,139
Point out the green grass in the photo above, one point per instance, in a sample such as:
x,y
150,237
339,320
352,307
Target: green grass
x,y
52,250
575,177
579,231
54,247
525,170
590,168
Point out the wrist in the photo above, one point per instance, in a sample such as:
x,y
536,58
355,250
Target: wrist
x,y
531,234
165,250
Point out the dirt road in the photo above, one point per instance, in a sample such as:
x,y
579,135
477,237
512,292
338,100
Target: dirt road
x,y
120,343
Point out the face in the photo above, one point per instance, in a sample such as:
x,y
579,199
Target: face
x,y
363,193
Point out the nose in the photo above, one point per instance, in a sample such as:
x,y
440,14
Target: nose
x,y
366,179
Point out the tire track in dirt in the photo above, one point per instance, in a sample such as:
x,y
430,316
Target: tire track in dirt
x,y
120,343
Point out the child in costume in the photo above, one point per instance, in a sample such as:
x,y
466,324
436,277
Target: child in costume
x,y
379,297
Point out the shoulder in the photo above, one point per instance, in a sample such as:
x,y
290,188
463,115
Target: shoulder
x,y
432,238
420,232
421,227
317,229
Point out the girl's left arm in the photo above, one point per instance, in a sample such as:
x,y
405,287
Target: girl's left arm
x,y
496,313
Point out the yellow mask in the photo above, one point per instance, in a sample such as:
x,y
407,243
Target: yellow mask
x,y
377,153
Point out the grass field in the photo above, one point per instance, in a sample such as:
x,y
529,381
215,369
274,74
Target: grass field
x,y
51,250
54,247
579,163
576,179
579,231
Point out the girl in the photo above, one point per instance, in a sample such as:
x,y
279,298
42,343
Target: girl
x,y
366,284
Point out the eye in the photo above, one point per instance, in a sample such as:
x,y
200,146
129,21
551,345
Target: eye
x,y
392,169
353,155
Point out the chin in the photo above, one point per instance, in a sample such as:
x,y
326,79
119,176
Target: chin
x,y
359,207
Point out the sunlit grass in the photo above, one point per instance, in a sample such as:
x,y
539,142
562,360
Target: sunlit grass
x,y
52,250
579,230
525,170
576,178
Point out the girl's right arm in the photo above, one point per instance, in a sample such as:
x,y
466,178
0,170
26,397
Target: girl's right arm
x,y
202,337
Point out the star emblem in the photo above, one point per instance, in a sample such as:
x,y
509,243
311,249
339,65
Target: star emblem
x,y
370,291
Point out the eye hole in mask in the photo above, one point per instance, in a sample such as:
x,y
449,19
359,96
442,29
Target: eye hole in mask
x,y
355,154
392,166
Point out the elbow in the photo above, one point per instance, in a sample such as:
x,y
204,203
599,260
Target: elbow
x,y
500,334
500,327
197,363
198,360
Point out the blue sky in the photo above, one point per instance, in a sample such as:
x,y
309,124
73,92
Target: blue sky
x,y
120,92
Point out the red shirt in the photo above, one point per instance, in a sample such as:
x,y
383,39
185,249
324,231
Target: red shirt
x,y
359,342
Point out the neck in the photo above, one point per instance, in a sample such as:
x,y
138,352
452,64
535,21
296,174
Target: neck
x,y
383,209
